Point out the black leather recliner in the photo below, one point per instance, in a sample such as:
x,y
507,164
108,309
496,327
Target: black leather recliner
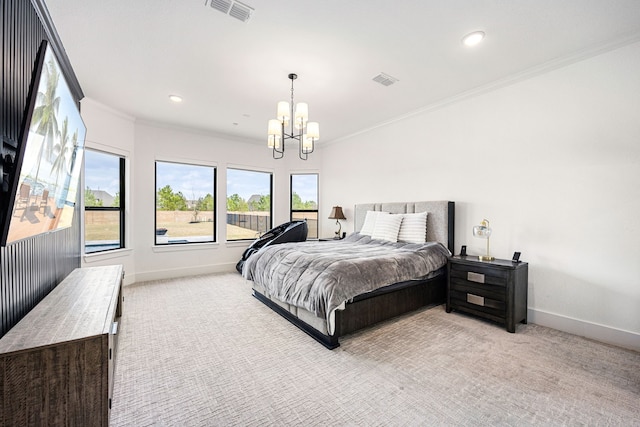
x,y
294,231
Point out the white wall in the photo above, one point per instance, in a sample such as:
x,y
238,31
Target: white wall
x,y
158,143
553,162
143,144
113,132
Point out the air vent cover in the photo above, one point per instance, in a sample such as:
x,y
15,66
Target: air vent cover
x,y
221,5
385,79
232,8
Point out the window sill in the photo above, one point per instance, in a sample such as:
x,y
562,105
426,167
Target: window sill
x,y
99,256
239,243
180,247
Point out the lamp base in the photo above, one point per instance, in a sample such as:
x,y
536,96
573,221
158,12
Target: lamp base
x,y
485,258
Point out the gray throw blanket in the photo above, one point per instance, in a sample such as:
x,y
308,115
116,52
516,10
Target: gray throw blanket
x,y
320,276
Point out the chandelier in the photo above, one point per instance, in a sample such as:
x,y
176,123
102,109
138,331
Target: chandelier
x,y
306,133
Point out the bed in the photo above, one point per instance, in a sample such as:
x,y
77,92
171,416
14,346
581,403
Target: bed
x,y
332,288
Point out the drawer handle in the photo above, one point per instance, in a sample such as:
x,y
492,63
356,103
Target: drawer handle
x,y
114,328
475,299
475,277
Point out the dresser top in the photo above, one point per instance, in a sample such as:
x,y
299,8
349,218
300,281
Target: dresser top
x,y
81,306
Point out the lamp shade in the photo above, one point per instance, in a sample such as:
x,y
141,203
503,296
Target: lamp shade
x,y
483,230
302,111
336,213
313,130
275,127
283,112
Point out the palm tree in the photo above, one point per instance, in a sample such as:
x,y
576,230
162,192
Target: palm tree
x,y
45,114
60,163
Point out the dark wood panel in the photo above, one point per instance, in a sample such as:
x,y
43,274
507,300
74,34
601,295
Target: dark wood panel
x,y
366,312
31,268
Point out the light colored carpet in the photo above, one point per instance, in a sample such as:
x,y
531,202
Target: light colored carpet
x,y
202,351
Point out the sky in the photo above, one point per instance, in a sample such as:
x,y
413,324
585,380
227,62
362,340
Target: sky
x,y
306,185
192,181
101,173
247,183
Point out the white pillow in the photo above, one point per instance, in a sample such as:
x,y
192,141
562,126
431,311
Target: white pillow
x,y
370,222
387,227
413,228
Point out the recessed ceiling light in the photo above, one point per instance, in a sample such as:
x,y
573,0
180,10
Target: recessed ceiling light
x,y
175,98
473,39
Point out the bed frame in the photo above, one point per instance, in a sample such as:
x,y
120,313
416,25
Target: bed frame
x,y
387,302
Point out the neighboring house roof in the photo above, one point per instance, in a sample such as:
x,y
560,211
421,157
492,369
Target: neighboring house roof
x,y
106,198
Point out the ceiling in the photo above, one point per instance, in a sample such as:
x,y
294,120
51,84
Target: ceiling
x,y
131,55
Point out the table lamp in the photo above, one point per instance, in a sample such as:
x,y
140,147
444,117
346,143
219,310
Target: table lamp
x,y
336,213
483,231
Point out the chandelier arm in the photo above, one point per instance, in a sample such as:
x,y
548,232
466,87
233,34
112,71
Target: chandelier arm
x,y
275,149
301,152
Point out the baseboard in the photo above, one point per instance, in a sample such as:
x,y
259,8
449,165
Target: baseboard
x,y
606,334
182,272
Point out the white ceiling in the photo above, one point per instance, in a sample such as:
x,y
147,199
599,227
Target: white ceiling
x,y
130,55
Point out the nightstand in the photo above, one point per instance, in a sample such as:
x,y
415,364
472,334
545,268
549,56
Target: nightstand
x,y
495,290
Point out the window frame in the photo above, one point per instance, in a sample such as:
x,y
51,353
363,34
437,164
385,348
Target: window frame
x,y
245,169
155,204
122,161
292,211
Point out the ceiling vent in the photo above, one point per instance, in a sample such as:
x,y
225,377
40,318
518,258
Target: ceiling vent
x,y
232,8
385,79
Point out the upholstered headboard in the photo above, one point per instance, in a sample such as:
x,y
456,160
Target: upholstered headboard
x,y
440,217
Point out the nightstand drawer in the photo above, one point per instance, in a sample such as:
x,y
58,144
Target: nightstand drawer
x,y
480,275
495,292
477,302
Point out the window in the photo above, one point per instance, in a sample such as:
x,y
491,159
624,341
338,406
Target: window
x,y
304,201
103,201
185,203
248,203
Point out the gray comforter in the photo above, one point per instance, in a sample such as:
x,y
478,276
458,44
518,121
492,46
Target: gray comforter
x,y
320,276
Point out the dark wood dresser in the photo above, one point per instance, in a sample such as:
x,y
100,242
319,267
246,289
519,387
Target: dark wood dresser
x,y
57,363
495,290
